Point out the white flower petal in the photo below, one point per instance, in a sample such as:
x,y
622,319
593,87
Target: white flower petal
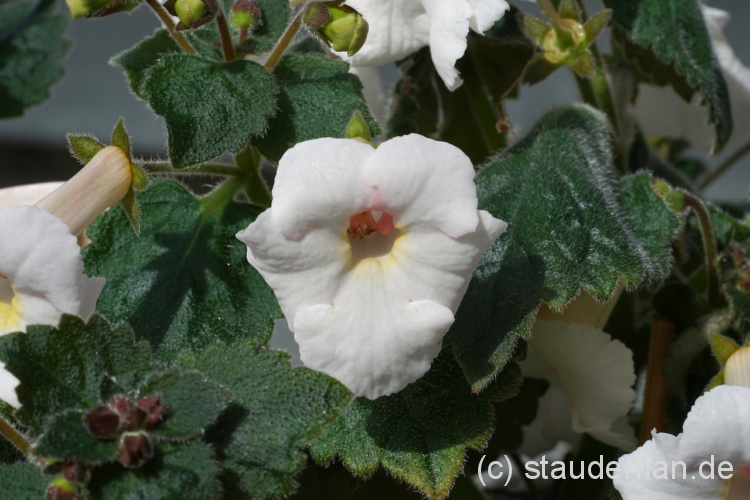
x,y
401,27
27,194
715,427
8,384
438,191
372,311
551,425
594,371
42,261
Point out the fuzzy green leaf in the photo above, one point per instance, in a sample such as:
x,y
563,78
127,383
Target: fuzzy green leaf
x,y
185,282
31,52
67,437
210,107
276,410
571,225
22,481
318,99
678,51
146,54
84,147
61,368
192,402
420,434
187,472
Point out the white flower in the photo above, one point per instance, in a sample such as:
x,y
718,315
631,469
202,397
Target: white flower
x,y
369,252
590,371
661,112
401,27
716,431
41,269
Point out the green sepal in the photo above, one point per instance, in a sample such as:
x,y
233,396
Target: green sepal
x,y
569,10
596,23
716,381
585,65
141,181
121,139
132,210
84,147
722,347
534,27
358,128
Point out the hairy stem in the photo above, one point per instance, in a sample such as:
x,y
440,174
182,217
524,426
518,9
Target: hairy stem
x,y
162,14
15,437
285,40
721,169
655,397
226,36
709,246
166,168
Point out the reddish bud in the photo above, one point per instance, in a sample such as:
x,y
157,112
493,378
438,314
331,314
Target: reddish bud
x,y
75,473
153,408
103,422
135,449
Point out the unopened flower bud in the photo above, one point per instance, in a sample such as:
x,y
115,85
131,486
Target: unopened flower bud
x,y
103,182
135,449
737,370
565,45
193,13
153,408
103,422
81,8
245,14
345,28
62,489
131,416
75,473
358,129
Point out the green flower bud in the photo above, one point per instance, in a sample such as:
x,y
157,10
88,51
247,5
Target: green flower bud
x,y
245,14
358,129
62,489
193,13
81,8
566,45
345,28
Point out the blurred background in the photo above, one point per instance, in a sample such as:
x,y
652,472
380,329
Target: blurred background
x,y
93,95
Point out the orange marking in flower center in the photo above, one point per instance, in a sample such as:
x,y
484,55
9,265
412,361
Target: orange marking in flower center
x,y
365,223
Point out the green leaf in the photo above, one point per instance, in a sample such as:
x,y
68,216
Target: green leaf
x,y
317,99
185,282
61,368
66,437
678,51
726,228
571,225
210,107
146,54
84,147
22,481
31,52
276,410
420,434
187,472
192,402
274,19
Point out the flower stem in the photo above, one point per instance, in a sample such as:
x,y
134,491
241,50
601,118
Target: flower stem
x,y
249,160
655,397
285,40
709,246
166,168
15,437
226,36
720,170
162,14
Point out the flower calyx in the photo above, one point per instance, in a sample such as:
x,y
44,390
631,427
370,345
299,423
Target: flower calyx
x,y
69,480
122,414
110,176
358,129
337,24
564,37
245,14
135,449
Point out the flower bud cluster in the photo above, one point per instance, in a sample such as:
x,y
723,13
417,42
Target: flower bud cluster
x,y
337,24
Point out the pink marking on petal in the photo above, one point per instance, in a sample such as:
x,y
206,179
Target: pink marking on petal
x,y
385,224
746,471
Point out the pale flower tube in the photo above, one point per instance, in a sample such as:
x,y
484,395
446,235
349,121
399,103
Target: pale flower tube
x,y
41,269
401,27
709,460
369,252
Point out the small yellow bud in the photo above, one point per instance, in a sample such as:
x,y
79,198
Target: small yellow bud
x,y
103,182
737,370
345,29
565,46
192,13
81,8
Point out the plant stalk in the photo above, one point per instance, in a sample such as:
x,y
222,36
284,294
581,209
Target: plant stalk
x,y
655,397
15,437
226,36
162,14
721,169
166,168
709,246
285,40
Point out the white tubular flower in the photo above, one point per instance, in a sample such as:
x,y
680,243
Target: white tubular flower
x,y
594,372
663,113
696,463
401,27
369,252
41,270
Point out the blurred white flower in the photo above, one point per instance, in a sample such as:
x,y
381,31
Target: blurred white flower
x,y
661,112
591,378
369,252
715,434
401,27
